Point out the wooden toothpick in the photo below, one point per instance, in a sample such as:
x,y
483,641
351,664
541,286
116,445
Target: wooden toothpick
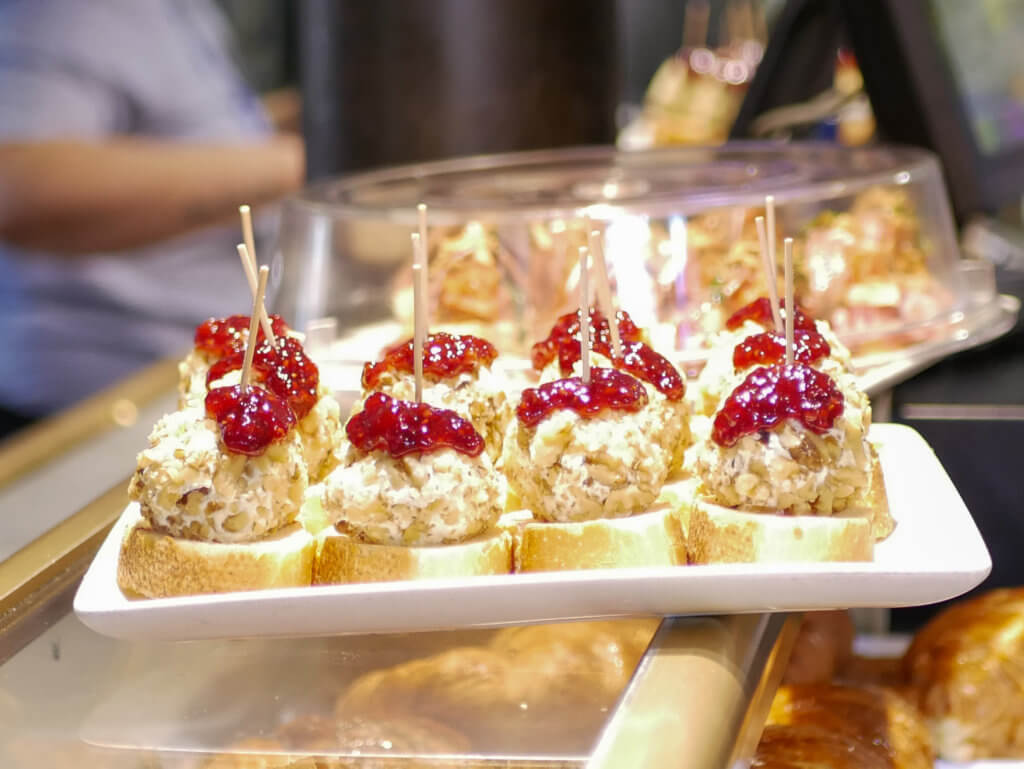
x,y
604,290
250,242
250,344
250,274
787,253
419,333
769,273
769,213
421,256
585,315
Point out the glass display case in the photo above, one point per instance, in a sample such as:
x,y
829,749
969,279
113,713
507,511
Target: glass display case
x,y
875,250
619,693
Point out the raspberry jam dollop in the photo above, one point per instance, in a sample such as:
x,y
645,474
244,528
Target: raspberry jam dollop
x,y
285,370
771,394
760,311
637,359
403,427
223,336
444,356
769,348
608,389
250,418
567,329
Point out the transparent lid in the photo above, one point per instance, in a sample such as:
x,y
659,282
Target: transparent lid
x,y
875,251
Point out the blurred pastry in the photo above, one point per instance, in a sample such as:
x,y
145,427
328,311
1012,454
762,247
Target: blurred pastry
x,y
317,742
965,669
548,686
835,727
823,647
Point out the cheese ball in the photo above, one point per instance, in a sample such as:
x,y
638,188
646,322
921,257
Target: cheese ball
x,y
672,418
320,432
719,377
478,397
569,468
192,371
791,469
430,498
188,485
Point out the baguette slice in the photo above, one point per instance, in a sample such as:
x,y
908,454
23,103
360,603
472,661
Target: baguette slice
x,y
341,558
157,565
722,535
654,538
882,522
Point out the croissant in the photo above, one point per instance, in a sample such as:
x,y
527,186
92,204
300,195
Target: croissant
x,y
965,671
843,726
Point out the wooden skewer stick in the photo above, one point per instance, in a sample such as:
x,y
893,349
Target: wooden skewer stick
x,y
247,234
787,253
250,263
421,255
769,214
250,274
250,344
604,291
419,333
769,273
585,315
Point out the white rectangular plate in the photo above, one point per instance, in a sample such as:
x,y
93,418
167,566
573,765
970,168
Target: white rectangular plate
x,y
934,554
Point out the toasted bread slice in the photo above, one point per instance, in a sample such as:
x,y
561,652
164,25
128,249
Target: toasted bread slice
x,y
157,565
882,523
341,558
654,538
722,535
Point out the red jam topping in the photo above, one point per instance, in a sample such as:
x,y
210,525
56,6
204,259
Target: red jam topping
x,y
402,427
284,370
769,348
771,394
444,356
760,311
250,418
608,389
223,336
567,328
637,359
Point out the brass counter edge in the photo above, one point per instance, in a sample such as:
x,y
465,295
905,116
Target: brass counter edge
x,y
44,566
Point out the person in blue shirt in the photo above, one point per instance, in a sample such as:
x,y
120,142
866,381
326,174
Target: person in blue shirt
x,y
128,140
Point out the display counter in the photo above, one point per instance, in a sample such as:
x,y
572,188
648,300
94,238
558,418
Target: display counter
x,y
577,694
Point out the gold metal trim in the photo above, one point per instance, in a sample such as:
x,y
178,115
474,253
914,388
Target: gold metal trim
x,y
42,569
114,407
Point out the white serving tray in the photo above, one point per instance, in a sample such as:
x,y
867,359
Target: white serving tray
x,y
935,553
